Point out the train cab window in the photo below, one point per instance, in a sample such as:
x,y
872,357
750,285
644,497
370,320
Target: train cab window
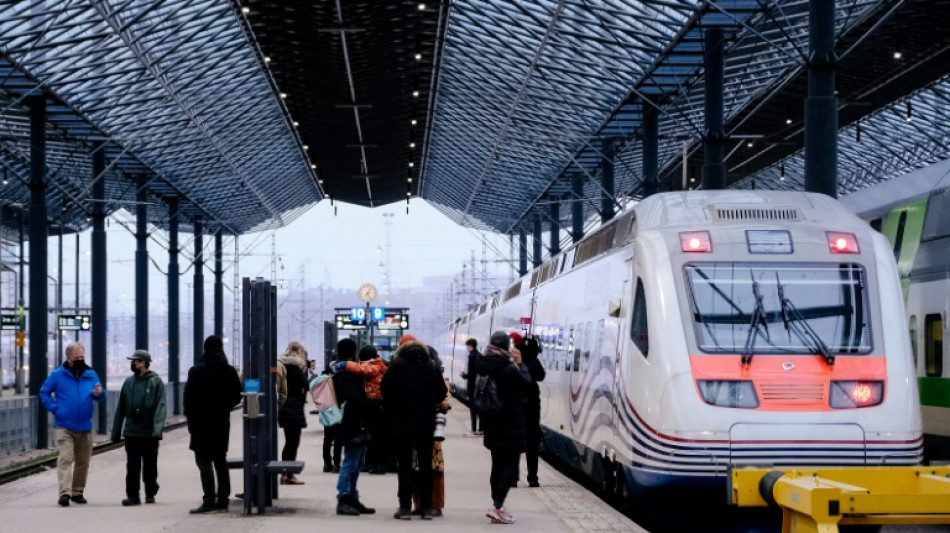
x,y
779,308
933,344
639,332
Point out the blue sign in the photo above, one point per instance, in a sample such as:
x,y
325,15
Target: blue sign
x,y
252,385
358,314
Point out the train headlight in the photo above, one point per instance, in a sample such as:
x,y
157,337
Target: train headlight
x,y
720,393
852,394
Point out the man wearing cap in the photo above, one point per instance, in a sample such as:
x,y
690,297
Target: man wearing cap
x,y
142,410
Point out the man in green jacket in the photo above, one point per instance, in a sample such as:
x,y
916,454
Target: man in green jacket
x,y
142,409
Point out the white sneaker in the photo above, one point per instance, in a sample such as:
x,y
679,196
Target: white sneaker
x,y
500,516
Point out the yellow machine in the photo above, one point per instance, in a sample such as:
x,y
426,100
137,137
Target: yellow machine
x,y
818,500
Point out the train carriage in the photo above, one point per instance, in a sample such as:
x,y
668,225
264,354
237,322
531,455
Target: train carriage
x,y
702,330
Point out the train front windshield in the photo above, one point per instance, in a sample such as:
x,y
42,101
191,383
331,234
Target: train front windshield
x,y
769,308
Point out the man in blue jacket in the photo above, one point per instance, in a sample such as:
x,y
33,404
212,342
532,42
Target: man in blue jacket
x,y
68,393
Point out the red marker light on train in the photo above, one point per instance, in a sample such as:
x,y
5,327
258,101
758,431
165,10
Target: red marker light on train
x,y
695,241
851,394
842,243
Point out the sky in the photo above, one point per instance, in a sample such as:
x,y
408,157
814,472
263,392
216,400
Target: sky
x,y
347,247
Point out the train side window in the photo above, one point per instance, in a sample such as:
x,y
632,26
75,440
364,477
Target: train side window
x,y
913,339
933,347
639,332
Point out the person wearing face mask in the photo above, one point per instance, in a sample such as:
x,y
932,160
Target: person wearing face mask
x,y
69,393
142,410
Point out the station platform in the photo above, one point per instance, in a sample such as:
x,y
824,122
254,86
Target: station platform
x,y
558,506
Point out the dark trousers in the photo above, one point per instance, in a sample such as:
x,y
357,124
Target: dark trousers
x,y
504,471
212,466
141,460
422,444
476,420
331,443
532,421
291,443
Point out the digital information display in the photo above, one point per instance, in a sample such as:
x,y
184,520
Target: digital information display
x,y
11,322
73,322
383,319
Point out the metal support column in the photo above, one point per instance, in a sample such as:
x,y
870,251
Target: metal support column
x,y
99,270
607,179
21,303
577,207
58,355
141,265
218,286
198,316
714,170
821,106
38,325
555,230
522,253
651,146
536,259
174,352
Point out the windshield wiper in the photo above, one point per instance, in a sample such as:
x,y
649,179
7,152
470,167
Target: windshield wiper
x,y
758,319
793,319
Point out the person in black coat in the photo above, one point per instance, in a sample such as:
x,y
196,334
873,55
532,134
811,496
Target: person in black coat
x,y
530,348
412,390
292,390
504,431
470,375
213,389
354,430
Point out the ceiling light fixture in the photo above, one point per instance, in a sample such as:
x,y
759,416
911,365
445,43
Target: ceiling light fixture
x,y
910,112
283,95
422,7
412,145
898,55
788,120
413,122
296,123
245,10
418,56
415,94
266,59
782,171
857,132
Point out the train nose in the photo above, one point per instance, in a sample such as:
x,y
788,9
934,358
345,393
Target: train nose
x,y
790,444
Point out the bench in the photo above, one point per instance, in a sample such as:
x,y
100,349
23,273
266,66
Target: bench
x,y
272,467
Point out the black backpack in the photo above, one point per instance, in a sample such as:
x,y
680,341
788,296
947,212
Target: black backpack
x,y
487,398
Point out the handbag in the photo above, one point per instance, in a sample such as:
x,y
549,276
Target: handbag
x,y
331,416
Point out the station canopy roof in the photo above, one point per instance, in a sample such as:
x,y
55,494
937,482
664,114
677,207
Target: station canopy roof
x,y
250,111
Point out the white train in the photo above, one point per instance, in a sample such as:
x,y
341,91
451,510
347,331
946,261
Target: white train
x,y
701,330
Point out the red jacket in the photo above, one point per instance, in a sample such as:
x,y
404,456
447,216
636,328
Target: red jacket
x,y
372,373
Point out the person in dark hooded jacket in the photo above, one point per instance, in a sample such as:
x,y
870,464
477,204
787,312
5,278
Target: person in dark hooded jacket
x,y
213,389
530,348
412,390
504,431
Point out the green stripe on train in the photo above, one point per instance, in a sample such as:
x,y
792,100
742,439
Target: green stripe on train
x,y
934,391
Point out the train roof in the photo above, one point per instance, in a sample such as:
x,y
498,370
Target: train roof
x,y
695,208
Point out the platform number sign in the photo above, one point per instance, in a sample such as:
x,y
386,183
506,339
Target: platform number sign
x,y
358,314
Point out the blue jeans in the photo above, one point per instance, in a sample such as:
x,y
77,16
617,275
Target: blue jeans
x,y
353,457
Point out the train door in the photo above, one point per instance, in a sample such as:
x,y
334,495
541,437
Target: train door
x,y
618,311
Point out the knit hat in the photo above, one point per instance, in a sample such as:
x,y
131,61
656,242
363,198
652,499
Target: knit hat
x,y
213,344
516,338
368,352
346,350
406,338
140,355
500,339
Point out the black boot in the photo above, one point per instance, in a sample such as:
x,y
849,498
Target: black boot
x,y
344,506
355,502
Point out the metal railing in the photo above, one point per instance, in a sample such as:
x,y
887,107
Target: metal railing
x,y
18,416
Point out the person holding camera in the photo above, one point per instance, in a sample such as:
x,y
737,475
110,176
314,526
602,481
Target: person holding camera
x,y
530,348
141,410
505,429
